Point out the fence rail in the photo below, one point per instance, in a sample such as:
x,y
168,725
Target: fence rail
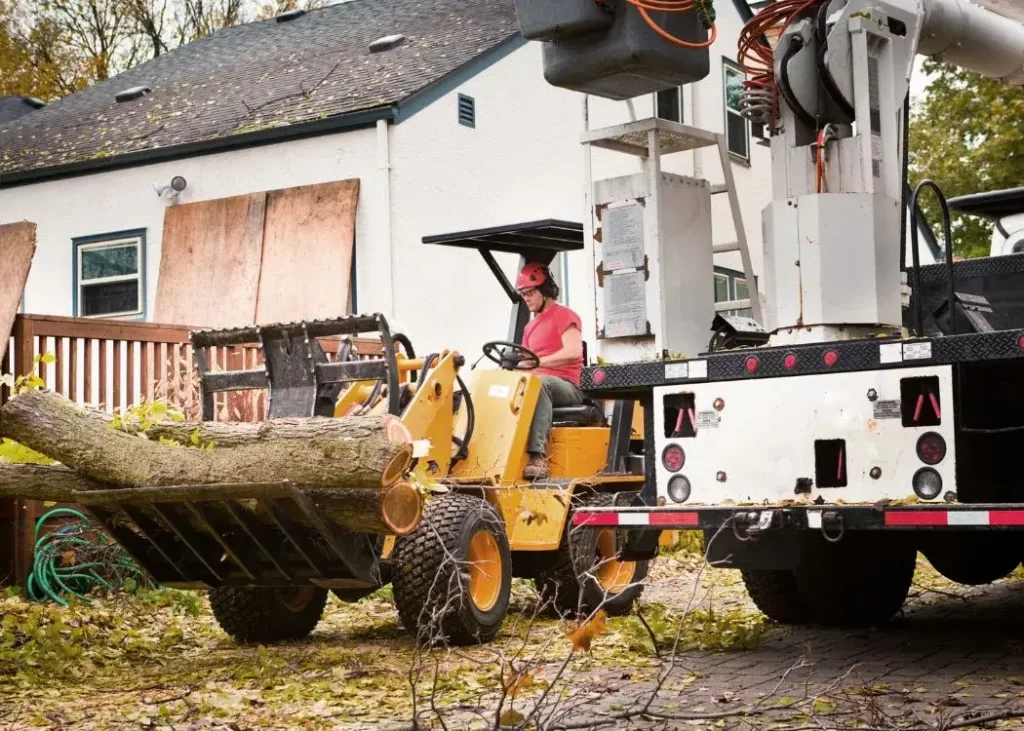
x,y
114,365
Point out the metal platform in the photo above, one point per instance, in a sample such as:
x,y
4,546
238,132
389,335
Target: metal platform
x,y
634,138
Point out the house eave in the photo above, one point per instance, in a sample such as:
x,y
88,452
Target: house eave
x,y
340,123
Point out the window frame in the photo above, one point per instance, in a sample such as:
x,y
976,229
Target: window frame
x,y
82,244
682,104
730,66
733,278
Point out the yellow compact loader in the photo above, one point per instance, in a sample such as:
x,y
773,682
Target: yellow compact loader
x,y
482,522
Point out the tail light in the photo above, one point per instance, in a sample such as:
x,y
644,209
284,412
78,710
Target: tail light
x,y
673,457
927,483
679,489
931,448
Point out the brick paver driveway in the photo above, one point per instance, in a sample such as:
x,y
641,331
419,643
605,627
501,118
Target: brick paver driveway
x,y
954,656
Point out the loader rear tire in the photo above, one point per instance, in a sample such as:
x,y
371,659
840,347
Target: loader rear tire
x,y
452,576
586,573
861,580
258,614
775,593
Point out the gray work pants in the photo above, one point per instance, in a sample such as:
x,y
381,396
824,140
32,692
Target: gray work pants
x,y
554,392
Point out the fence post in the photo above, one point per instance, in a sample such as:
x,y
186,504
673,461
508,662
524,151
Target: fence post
x,y
25,512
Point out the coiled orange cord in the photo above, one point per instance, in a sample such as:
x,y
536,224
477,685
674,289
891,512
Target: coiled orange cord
x,y
671,6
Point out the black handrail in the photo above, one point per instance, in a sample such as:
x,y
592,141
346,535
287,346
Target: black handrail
x,y
914,211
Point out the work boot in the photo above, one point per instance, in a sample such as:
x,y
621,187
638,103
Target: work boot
x,y
536,467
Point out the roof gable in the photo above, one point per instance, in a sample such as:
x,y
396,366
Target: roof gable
x,y
262,76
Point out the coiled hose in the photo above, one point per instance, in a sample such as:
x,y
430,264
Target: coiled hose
x,y
74,559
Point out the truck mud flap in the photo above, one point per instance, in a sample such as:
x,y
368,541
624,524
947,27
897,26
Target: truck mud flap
x,y
252,534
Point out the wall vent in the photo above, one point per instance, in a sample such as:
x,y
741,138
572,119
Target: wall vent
x,y
467,110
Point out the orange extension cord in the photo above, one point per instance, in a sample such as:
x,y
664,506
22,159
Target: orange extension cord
x,y
758,59
671,6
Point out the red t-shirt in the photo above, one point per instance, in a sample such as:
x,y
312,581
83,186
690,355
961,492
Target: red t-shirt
x,y
543,335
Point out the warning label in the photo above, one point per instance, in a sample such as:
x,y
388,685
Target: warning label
x,y
708,420
887,410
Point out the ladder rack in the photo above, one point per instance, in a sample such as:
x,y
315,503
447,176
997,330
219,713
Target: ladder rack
x,y
665,137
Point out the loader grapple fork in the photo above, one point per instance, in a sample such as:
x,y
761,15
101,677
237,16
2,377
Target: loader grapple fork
x,y
235,535
300,379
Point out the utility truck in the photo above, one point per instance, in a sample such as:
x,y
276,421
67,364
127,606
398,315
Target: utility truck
x,y
872,406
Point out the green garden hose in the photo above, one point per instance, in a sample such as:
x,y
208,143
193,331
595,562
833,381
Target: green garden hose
x,y
75,558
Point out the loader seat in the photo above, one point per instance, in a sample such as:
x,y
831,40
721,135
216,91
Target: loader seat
x,y
589,413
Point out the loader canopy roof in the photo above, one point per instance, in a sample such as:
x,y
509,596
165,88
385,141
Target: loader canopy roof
x,y
536,241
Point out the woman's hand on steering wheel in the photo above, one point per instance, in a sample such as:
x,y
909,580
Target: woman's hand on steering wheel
x,y
524,357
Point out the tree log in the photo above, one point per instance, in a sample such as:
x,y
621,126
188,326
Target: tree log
x,y
359,453
396,510
239,433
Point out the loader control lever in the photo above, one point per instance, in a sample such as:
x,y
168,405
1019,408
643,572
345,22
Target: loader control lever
x,y
511,355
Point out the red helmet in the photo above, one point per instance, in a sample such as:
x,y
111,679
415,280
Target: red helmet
x,y
532,275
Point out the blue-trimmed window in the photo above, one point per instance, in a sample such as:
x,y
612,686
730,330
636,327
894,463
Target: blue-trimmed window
x,y
110,275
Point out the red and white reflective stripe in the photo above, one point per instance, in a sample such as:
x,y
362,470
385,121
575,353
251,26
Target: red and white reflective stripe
x,y
954,517
660,518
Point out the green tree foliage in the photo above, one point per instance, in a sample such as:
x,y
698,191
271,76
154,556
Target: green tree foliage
x,y
967,135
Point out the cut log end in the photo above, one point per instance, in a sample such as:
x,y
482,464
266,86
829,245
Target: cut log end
x,y
396,431
402,508
395,469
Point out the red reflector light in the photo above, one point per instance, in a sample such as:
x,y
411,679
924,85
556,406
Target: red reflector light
x,y
673,458
752,364
831,358
931,448
789,362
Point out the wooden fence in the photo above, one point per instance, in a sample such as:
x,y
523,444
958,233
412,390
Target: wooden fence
x,y
114,365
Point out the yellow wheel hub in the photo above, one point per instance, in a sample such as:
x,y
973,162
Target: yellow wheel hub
x,y
484,559
296,599
613,575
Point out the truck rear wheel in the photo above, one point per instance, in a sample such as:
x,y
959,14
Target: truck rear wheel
x,y
861,580
260,614
973,559
586,573
775,593
452,576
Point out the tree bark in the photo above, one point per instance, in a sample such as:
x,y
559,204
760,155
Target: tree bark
x,y
363,452
396,510
238,433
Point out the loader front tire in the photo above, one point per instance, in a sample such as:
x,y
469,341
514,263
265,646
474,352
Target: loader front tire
x,y
586,573
264,615
775,593
452,576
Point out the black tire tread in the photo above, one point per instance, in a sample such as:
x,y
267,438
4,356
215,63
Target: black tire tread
x,y
420,556
775,593
559,582
255,614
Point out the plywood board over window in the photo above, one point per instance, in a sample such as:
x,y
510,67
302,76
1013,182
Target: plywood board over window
x,y
210,262
272,256
17,247
307,252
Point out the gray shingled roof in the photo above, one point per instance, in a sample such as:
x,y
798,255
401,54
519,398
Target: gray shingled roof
x,y
262,75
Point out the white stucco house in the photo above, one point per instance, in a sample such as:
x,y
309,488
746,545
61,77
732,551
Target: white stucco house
x,y
450,127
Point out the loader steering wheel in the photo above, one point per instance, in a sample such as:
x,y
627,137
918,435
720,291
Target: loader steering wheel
x,y
504,358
